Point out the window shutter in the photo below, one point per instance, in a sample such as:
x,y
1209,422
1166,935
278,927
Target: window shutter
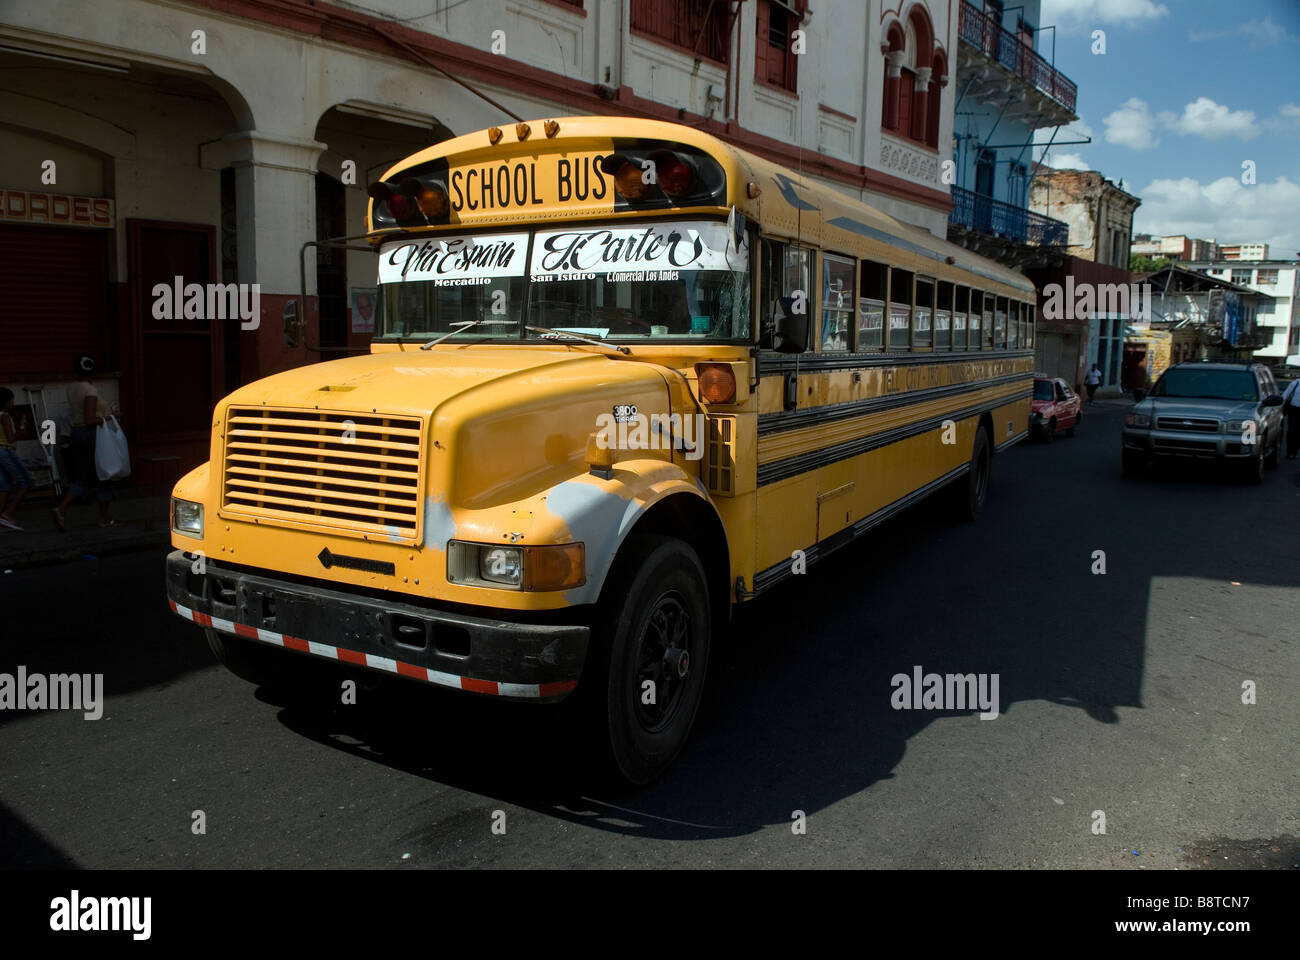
x,y
760,40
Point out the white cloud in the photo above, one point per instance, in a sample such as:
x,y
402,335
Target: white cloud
x,y
1289,110
1094,12
1258,33
1065,161
1225,209
1132,125
1205,118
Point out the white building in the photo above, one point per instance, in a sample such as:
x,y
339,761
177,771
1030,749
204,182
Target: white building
x,y
1244,251
1280,279
145,139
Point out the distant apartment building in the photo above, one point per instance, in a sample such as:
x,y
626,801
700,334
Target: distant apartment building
x,y
1179,247
1244,251
1277,318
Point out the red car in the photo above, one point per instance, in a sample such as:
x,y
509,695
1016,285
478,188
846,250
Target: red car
x,y
1054,407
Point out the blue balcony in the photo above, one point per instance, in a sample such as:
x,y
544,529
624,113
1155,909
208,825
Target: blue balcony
x,y
993,217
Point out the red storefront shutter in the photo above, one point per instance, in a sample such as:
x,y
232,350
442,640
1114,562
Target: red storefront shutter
x,y
54,298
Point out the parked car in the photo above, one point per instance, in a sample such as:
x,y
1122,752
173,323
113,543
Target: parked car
x,y
1054,407
1214,410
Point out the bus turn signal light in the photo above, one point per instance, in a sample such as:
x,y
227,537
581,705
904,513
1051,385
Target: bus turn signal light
x,y
431,198
717,382
629,182
555,567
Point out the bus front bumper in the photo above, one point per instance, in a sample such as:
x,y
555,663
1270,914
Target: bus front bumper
x,y
480,655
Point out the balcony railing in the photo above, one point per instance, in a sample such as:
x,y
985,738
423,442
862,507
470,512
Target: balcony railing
x,y
984,33
986,215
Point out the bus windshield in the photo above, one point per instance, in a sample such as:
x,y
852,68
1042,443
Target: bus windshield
x,y
659,281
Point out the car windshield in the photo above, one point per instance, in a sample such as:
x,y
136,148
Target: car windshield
x,y
1043,390
624,282
1209,384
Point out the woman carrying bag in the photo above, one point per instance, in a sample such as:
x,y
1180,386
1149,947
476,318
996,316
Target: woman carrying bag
x,y
89,413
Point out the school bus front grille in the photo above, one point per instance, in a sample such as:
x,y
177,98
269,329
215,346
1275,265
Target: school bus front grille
x,y
352,473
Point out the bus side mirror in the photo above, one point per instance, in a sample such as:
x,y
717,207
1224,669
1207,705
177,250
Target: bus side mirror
x,y
790,329
292,326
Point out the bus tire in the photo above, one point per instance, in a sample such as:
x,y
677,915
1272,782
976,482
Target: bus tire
x,y
247,660
972,495
652,653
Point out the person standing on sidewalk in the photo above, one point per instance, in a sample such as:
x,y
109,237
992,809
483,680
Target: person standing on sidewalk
x,y
1092,381
88,411
15,481
1291,410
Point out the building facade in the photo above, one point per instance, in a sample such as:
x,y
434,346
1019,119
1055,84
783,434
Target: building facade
x,y
1244,251
1008,91
1174,248
1276,316
217,140
1098,213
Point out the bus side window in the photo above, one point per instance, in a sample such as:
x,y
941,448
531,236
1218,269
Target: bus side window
x,y
871,315
961,306
1000,324
1013,325
1030,310
988,321
902,297
839,295
923,315
787,272
975,320
943,317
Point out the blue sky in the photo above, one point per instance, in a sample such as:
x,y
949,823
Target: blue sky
x,y
1185,93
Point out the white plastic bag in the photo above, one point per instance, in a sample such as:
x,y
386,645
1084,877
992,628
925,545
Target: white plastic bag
x,y
112,459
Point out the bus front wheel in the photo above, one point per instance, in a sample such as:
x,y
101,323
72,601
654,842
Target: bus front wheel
x,y
652,654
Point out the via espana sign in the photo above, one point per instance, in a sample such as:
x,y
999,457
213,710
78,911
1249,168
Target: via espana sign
x,y
30,206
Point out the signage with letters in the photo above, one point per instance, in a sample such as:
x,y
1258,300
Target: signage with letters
x,y
30,206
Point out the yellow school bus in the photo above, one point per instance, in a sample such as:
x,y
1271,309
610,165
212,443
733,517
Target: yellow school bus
x,y
624,376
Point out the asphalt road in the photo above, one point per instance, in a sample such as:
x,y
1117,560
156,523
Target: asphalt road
x,y
1119,693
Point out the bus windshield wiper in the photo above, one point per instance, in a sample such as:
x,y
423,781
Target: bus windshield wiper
x,y
578,336
462,326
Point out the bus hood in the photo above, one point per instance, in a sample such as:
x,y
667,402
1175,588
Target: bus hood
x,y
500,424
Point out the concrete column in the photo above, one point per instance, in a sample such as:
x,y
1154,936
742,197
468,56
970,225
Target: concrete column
x,y
893,72
920,101
275,213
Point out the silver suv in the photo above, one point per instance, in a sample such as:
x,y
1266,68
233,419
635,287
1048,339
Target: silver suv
x,y
1217,410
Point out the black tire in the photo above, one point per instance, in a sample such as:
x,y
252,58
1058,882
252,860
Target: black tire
x,y
1049,432
657,601
1078,419
971,496
1270,458
1135,463
248,659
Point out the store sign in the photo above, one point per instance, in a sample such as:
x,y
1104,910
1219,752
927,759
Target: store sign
x,y
26,206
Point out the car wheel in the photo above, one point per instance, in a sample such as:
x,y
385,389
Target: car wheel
x,y
1135,463
1270,459
1074,426
650,659
1049,431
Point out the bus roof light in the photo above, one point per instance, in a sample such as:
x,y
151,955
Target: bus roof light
x,y
400,206
431,197
522,130
675,174
494,135
552,127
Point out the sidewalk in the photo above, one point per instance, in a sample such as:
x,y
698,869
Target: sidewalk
x,y
142,521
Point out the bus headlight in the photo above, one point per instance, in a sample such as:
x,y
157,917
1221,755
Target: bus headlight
x,y
552,567
187,518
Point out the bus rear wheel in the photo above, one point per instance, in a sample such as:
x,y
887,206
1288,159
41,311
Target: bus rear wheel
x,y
971,496
651,656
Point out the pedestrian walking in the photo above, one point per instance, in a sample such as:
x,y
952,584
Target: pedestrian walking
x,y
88,411
1092,381
1291,410
15,481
